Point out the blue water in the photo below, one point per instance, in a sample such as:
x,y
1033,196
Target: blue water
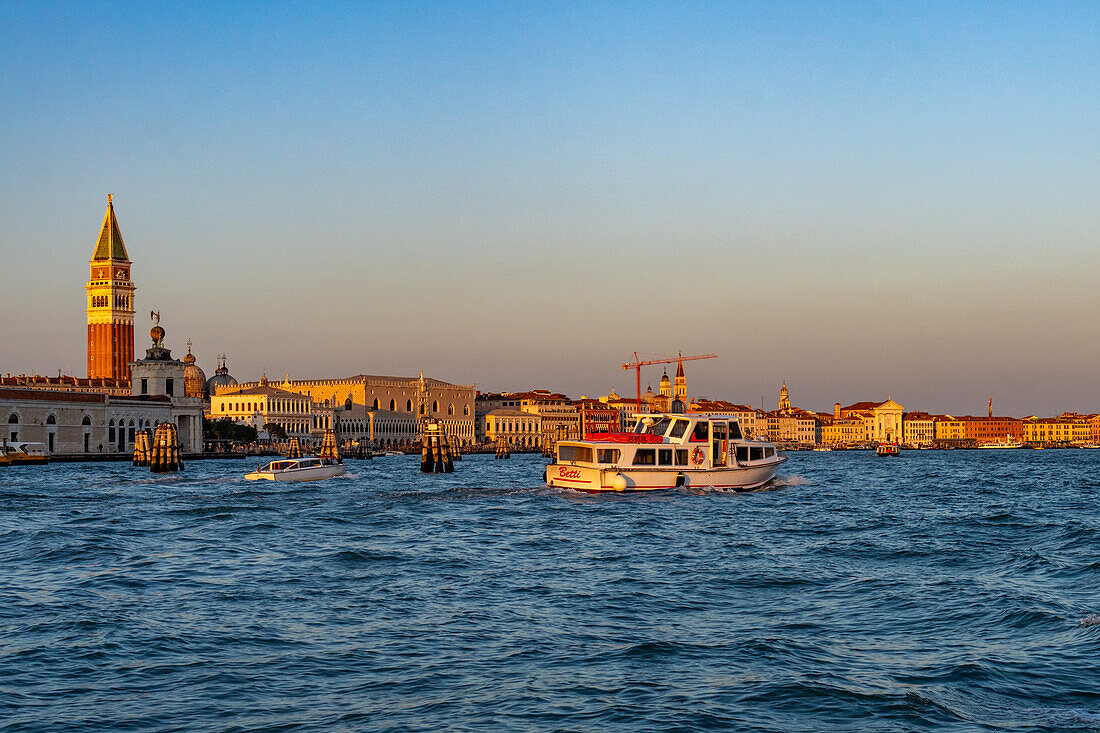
x,y
936,591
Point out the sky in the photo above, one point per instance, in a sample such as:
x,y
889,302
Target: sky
x,y
863,199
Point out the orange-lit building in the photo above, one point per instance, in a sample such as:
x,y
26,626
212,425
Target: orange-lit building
x,y
110,304
991,429
597,417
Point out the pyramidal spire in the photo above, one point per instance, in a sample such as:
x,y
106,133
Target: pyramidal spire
x,y
110,245
680,366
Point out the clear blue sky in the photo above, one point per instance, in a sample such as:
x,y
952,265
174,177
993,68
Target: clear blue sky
x,y
864,199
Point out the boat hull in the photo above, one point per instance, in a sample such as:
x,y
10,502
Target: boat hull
x,y
597,480
318,473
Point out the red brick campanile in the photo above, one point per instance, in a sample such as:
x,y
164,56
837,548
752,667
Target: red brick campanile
x,y
110,303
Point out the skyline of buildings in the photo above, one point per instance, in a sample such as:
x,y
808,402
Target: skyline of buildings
x,y
388,411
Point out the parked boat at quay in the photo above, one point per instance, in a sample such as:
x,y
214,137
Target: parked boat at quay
x,y
1007,444
297,469
888,449
666,451
24,453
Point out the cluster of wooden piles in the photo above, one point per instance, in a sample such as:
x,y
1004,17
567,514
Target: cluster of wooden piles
x,y
159,450
435,449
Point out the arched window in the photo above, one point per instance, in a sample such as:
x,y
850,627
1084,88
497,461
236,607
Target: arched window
x,y
435,406
466,410
347,403
13,419
51,420
393,406
451,409
408,405
376,403
86,421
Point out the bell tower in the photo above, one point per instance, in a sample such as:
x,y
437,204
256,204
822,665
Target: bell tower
x,y
680,389
110,304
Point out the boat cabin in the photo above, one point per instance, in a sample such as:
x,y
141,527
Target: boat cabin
x,y
673,441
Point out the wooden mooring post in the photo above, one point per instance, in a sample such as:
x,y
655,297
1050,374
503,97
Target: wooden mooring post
x,y
435,451
165,456
293,449
143,447
502,449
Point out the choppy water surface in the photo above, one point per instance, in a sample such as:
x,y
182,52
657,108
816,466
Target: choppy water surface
x,y
938,591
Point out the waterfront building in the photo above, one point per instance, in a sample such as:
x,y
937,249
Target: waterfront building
x,y
66,383
596,416
949,429
881,420
838,431
517,428
71,421
1042,430
264,404
627,408
1067,429
793,426
918,429
110,304
991,429
559,418
1094,429
397,404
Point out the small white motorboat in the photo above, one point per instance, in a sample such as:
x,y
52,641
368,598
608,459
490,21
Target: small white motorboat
x,y
297,469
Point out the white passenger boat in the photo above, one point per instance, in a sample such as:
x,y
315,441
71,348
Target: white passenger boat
x,y
1002,444
297,469
666,451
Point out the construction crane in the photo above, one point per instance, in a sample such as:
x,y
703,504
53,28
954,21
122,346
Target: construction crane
x,y
637,365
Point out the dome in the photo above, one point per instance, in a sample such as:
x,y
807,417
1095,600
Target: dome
x,y
648,395
194,379
221,379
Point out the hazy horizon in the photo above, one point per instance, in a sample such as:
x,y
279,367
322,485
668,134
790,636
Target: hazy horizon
x,y
862,200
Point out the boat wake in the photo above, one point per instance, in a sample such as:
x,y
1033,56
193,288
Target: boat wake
x,y
794,480
1093,619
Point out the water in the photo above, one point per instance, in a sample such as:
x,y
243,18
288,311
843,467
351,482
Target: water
x,y
948,591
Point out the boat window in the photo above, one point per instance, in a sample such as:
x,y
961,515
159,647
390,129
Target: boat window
x,y
735,430
742,453
681,457
575,453
664,457
769,452
756,453
645,457
702,431
719,431
607,455
678,428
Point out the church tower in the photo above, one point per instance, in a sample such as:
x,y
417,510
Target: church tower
x,y
784,398
110,304
680,387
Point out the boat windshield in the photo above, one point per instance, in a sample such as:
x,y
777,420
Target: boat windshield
x,y
659,427
571,453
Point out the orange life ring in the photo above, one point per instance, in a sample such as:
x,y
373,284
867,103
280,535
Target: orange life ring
x,y
697,456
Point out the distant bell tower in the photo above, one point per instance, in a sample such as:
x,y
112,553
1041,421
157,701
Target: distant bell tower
x,y
680,388
110,304
784,398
